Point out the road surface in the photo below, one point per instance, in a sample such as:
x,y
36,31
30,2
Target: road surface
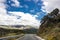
x,y
29,37
23,37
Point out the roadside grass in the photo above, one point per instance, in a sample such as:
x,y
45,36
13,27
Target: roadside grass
x,y
15,37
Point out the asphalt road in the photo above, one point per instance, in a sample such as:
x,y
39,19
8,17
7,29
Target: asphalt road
x,y
29,37
24,37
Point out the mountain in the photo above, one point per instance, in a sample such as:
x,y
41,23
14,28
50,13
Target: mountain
x,y
17,26
12,26
50,26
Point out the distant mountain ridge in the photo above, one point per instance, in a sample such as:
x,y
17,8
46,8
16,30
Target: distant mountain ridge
x,y
16,26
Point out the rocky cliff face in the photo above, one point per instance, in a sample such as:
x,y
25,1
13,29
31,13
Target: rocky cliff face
x,y
50,26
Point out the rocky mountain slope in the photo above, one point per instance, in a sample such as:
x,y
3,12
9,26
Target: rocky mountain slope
x,y
50,26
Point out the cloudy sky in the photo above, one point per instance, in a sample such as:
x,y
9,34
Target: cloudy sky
x,y
25,12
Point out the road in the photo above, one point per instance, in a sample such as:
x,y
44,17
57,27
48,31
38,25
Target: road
x,y
23,37
29,37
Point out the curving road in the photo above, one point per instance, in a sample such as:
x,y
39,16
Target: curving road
x,y
29,37
24,37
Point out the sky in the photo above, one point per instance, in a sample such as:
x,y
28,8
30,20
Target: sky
x,y
25,12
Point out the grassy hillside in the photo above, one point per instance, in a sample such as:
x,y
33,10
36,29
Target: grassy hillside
x,y
50,26
10,32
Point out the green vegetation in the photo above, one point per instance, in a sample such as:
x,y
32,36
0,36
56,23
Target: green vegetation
x,y
30,31
14,38
50,26
9,32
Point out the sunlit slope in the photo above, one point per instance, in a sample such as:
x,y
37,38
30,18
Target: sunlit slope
x,y
50,26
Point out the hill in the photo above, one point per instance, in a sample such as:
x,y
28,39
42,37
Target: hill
x,y
10,30
50,26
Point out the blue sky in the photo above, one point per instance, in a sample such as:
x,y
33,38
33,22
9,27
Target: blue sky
x,y
32,7
25,12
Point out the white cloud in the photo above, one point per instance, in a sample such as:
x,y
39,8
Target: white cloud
x,y
32,11
3,11
35,15
27,19
35,1
51,4
43,10
3,7
7,20
2,1
4,18
16,3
